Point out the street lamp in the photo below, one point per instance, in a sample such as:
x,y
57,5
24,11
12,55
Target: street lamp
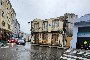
x,y
28,22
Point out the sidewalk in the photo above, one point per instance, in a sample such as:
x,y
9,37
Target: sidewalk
x,y
35,44
1,44
76,54
44,45
53,46
62,47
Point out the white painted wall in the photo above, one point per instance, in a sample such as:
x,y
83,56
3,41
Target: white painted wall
x,y
49,38
74,38
60,38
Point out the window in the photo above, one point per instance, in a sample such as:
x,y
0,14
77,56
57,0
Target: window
x,y
3,23
9,21
7,1
1,2
55,23
7,17
40,35
11,15
2,14
8,26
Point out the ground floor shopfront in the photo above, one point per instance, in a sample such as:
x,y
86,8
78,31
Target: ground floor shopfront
x,y
5,35
53,38
82,38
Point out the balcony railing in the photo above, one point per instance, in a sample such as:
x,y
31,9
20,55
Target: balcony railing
x,y
35,30
55,29
44,29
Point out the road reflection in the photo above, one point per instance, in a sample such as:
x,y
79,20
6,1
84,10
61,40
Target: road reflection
x,y
28,52
11,44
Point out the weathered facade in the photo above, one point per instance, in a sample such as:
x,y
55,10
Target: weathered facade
x,y
70,18
47,31
6,18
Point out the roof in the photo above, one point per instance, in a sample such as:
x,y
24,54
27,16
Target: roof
x,y
85,18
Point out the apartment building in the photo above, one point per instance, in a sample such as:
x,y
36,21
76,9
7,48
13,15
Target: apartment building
x,y
6,17
16,28
36,29
47,31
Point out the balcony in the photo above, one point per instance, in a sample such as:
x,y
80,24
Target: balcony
x,y
45,30
45,26
35,30
55,28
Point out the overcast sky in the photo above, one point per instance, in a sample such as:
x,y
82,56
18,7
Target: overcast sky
x,y
27,10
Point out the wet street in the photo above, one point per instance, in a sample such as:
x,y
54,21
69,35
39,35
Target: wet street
x,y
28,52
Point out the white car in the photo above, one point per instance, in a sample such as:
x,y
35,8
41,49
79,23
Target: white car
x,y
20,42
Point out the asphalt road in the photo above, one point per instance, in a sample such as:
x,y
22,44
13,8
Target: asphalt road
x,y
28,52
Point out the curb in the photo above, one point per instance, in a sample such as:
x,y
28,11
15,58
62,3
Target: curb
x,y
53,46
44,45
34,44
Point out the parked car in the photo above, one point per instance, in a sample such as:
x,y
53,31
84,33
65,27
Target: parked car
x,y
12,41
21,42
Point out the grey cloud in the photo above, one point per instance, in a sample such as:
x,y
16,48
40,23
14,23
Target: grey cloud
x,y
27,10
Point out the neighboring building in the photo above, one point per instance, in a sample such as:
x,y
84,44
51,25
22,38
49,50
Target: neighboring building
x,y
81,32
70,18
13,22
15,25
69,22
5,19
16,28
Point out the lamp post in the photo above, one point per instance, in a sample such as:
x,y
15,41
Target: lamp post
x,y
63,38
29,24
